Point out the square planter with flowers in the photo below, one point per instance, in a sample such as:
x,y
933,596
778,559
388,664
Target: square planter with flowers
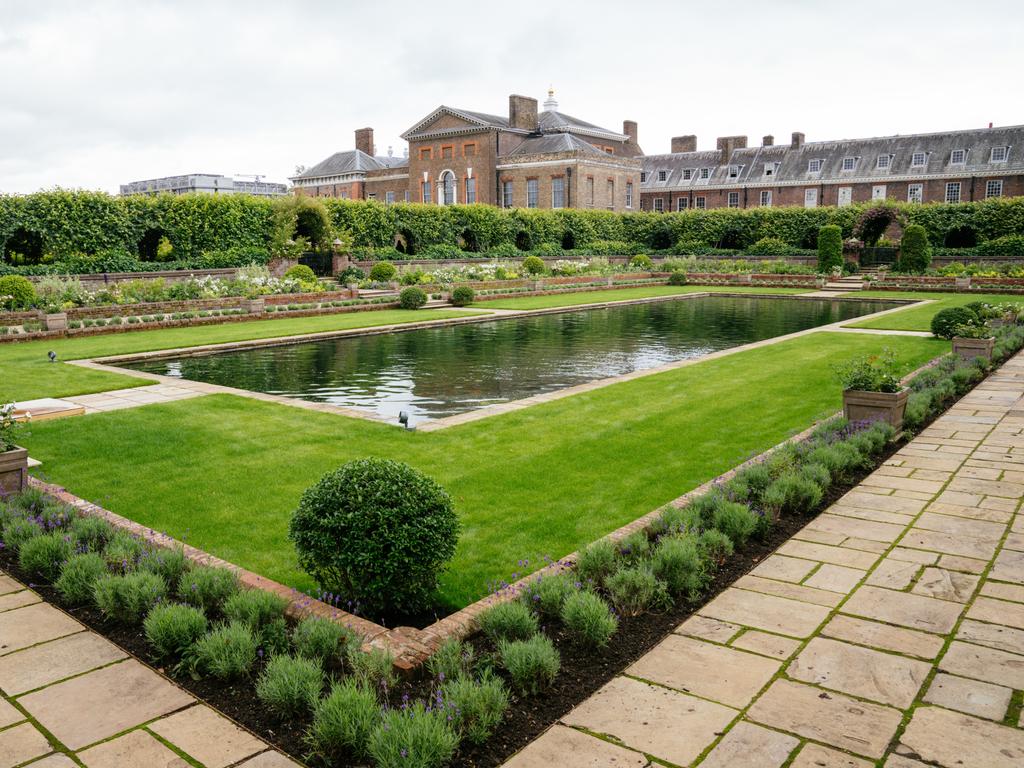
x,y
872,390
973,341
13,458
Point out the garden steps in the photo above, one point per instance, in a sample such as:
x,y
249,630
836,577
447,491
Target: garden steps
x,y
916,660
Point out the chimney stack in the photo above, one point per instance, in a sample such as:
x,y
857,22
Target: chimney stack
x,y
364,140
798,140
629,128
768,141
522,112
684,144
727,144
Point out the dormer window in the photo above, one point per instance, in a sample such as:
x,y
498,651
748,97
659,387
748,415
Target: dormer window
x,y
814,166
999,154
770,168
662,175
958,157
643,176
849,163
734,171
918,159
687,174
705,173
884,161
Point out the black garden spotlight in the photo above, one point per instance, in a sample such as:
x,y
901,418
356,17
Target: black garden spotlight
x,y
403,419
52,355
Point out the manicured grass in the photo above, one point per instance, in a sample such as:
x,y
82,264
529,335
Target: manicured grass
x,y
225,472
621,294
26,372
920,318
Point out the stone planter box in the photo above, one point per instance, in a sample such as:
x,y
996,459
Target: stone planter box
x,y
970,349
57,321
962,282
859,405
820,282
253,306
13,471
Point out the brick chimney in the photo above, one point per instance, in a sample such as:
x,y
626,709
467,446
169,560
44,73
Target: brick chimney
x,y
768,141
726,145
684,144
522,112
630,129
364,140
798,140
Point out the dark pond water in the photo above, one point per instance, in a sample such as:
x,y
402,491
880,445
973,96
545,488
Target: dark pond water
x,y
442,371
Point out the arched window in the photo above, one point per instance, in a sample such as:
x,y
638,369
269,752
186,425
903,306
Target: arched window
x,y
448,188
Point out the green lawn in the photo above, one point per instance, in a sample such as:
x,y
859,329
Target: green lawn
x,y
225,472
920,318
621,294
26,372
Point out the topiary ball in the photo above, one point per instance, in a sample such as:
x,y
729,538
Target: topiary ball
x,y
412,298
302,273
677,278
463,296
641,261
377,533
946,321
383,272
533,265
16,292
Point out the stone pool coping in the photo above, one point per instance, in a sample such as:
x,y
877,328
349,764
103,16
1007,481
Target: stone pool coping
x,y
110,363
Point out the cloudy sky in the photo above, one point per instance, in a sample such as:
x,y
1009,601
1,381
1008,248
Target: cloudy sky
x,y
94,93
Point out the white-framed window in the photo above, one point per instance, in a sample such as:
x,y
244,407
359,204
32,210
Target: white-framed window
x,y
700,202
814,165
425,193
682,203
532,193
844,197
915,193
953,192
662,175
705,173
883,162
810,198
389,197
687,174
766,198
372,196
878,192
448,191
994,188
958,157
770,168
734,200
470,191
918,159
558,192
643,176
659,204
999,154
407,195
734,171
506,194
629,194
849,163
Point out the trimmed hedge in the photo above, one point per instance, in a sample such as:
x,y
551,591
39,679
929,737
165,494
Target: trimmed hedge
x,y
830,248
915,253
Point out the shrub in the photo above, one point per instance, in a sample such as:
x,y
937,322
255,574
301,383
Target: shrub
x,y
383,272
413,737
748,485
463,296
871,373
769,246
533,265
677,278
412,298
840,459
20,530
478,706
736,521
706,506
830,247
547,593
508,621
377,532
256,608
226,652
596,562
318,638
678,520
633,590
170,564
588,619
290,686
793,494
374,670
78,576
817,474
43,556
172,629
678,563
16,292
207,587
90,533
302,273
641,262
1008,246
946,321
453,660
915,253
350,275
123,551
531,664
128,597
342,722
715,547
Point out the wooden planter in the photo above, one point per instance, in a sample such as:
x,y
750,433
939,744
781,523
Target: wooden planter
x,y
859,405
13,470
962,282
253,306
969,349
56,321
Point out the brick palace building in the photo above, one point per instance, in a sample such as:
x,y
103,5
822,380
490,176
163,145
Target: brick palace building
x,y
546,159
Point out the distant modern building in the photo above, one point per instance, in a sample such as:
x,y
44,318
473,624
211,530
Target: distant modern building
x,y
204,183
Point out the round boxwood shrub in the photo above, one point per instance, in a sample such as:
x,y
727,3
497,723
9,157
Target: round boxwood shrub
x,y
383,272
302,273
677,278
769,246
533,265
378,533
463,296
16,292
412,298
642,262
915,253
830,247
946,321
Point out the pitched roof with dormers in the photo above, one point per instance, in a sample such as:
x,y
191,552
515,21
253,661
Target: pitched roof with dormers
x,y
352,161
555,142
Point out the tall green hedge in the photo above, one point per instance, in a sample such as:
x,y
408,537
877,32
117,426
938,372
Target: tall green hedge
x,y
915,253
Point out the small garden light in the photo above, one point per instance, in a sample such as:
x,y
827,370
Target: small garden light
x,y
403,419
52,355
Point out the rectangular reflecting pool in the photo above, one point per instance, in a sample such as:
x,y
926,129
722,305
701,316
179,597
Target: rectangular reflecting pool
x,y
437,372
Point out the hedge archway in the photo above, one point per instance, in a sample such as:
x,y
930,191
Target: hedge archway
x,y
568,241
524,240
23,246
149,244
960,237
405,242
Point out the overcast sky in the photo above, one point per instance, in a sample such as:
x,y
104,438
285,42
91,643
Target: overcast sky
x,y
95,93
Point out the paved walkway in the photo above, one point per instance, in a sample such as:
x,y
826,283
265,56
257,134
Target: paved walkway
x,y
68,697
889,631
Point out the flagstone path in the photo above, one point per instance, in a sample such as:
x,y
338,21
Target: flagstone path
x,y
888,632
69,697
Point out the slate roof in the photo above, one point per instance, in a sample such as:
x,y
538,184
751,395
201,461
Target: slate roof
x,y
555,142
350,161
551,120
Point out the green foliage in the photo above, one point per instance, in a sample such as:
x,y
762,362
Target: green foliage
x,y
771,246
714,546
43,556
463,296
533,265
945,322
453,660
871,373
413,737
302,273
342,723
290,686
677,278
90,532
412,298
736,521
256,608
1007,246
374,670
16,292
383,272
548,593
830,248
677,561
531,664
321,639
170,564
207,587
226,652
793,494
377,532
172,629
915,252
588,619
478,706
641,262
128,597
123,551
78,576
634,590
508,621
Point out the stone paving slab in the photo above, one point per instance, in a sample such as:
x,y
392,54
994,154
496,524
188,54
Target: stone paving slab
x,y
817,756
903,609
21,743
208,737
940,737
33,624
969,696
568,748
751,746
49,662
767,612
